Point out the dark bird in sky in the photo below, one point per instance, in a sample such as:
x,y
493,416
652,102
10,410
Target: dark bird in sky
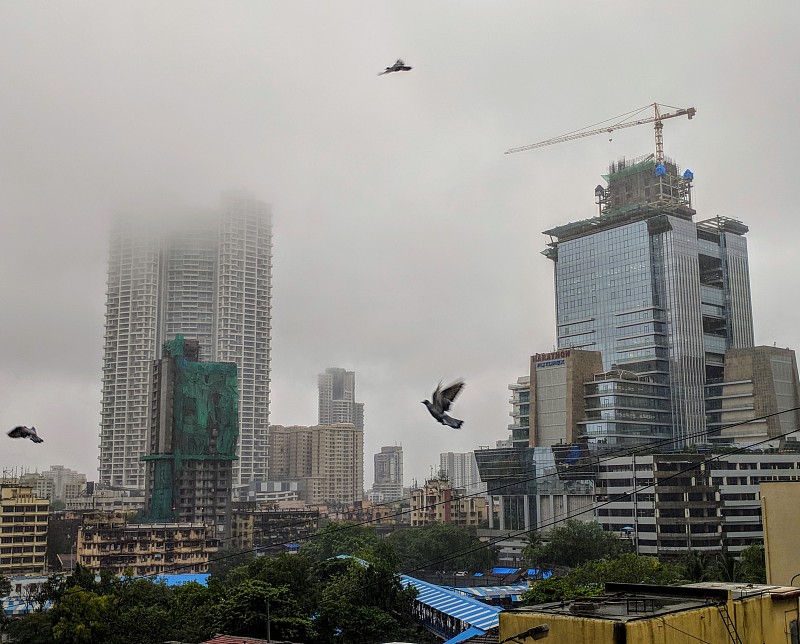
x,y
399,66
20,431
442,399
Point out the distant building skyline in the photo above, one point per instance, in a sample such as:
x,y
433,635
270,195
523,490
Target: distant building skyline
x,y
208,277
337,398
388,481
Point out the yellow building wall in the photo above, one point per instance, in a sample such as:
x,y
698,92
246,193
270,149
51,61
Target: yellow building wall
x,y
758,620
781,520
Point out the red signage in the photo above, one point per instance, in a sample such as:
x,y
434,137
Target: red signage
x,y
553,355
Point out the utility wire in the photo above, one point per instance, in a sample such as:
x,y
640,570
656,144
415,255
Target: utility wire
x,y
610,455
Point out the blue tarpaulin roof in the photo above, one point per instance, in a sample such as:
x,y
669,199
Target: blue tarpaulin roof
x,y
469,610
503,571
177,580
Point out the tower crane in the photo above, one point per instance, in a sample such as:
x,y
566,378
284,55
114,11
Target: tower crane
x,y
657,119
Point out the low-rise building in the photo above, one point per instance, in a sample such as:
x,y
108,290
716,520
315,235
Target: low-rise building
x,y
438,502
704,612
108,541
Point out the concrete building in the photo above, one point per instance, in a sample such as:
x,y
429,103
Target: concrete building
x,y
519,428
439,502
759,382
781,528
680,502
389,474
328,460
656,293
193,436
59,483
557,402
209,278
23,530
705,612
461,469
107,541
271,530
337,398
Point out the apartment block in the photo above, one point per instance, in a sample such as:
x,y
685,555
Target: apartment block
x,y
107,541
337,398
23,530
439,502
388,485
327,459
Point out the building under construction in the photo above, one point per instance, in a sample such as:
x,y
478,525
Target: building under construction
x,y
193,435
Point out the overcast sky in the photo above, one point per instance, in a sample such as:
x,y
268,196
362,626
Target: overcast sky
x,y
406,244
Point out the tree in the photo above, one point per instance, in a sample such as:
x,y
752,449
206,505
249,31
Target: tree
x,y
363,604
225,561
83,617
254,608
442,547
33,628
559,589
752,566
346,539
629,568
697,566
5,586
574,542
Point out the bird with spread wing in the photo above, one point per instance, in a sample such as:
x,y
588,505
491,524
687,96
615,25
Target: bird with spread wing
x,y
441,401
20,431
399,66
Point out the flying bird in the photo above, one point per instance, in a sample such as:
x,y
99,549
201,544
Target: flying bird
x,y
20,431
442,399
399,66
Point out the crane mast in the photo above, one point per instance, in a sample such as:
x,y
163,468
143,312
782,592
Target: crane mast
x,y
658,120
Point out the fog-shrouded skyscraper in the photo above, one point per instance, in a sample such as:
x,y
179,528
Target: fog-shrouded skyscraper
x,y
207,277
337,398
660,296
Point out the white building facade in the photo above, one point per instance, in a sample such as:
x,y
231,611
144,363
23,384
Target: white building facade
x,y
208,278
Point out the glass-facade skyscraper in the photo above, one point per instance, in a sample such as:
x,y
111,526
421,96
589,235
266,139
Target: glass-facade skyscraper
x,y
660,296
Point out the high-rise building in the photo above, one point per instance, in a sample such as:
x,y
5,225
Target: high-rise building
x,y
459,468
327,459
208,278
389,473
656,293
192,439
337,398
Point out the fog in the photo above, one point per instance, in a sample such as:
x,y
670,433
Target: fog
x,y
406,244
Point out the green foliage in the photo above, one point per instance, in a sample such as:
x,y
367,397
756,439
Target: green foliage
x,y
558,589
347,539
83,617
752,566
587,579
574,542
433,547
629,568
362,603
33,628
249,607
227,560
698,566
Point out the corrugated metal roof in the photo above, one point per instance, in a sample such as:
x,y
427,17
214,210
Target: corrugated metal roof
x,y
473,612
493,591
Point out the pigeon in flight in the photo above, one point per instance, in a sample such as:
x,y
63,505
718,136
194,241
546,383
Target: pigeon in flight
x,y
399,66
20,431
442,399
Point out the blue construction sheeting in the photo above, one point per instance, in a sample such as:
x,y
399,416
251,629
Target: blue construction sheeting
x,y
177,580
503,571
469,610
